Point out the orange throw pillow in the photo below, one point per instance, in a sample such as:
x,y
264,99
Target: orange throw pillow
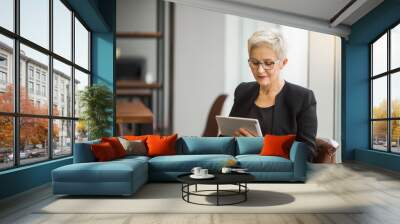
x,y
135,137
277,145
103,152
116,145
161,145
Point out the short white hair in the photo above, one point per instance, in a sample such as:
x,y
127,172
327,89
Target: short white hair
x,y
271,38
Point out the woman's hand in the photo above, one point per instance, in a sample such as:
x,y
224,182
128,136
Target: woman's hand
x,y
244,132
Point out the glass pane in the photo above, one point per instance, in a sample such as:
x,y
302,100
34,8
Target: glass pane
x,y
62,138
81,81
379,55
6,142
7,14
395,94
395,129
62,89
81,132
6,74
379,100
81,45
395,47
33,139
62,28
379,135
35,21
34,97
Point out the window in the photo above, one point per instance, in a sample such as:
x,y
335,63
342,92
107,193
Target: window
x,y
38,89
30,87
45,131
6,73
385,94
43,90
62,31
35,21
3,72
37,75
3,61
62,74
30,72
81,45
7,14
3,78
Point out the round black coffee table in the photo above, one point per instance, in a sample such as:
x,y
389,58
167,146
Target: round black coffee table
x,y
238,179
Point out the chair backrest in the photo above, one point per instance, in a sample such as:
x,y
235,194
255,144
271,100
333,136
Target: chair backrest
x,y
211,129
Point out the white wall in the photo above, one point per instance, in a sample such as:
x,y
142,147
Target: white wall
x,y
138,16
324,72
199,67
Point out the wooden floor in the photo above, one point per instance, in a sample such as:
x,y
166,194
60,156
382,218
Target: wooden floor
x,y
378,188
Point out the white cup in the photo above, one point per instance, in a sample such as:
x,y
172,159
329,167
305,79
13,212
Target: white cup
x,y
196,171
226,170
203,172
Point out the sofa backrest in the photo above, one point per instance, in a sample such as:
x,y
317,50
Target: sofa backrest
x,y
206,145
184,146
249,145
83,153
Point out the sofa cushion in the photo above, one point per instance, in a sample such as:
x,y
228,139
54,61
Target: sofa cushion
x,y
185,163
116,145
257,163
133,147
112,171
161,145
249,145
136,137
103,152
206,145
277,145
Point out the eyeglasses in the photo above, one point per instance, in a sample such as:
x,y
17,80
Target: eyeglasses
x,y
266,65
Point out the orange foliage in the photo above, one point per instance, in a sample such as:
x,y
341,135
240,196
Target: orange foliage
x,y
33,130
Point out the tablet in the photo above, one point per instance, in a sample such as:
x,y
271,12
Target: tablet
x,y
228,125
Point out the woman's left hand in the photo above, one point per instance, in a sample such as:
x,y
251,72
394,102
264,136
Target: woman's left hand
x,y
245,132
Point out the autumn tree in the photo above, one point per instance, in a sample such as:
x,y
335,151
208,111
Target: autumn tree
x,y
33,131
380,127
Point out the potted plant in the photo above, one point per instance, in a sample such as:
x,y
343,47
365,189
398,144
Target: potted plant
x,y
96,103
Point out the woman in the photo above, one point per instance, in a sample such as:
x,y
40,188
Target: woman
x,y
280,106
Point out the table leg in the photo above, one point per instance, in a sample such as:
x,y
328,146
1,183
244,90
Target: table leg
x,y
217,194
188,190
196,187
245,193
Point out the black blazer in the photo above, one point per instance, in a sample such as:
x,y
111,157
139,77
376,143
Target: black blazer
x,y
294,110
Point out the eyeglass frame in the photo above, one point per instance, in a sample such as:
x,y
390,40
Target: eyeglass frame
x,y
263,65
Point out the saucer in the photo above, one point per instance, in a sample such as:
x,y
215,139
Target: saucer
x,y
208,176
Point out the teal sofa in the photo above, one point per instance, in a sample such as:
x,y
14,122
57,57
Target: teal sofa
x,y
125,176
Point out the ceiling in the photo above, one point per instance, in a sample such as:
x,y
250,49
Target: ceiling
x,y
326,16
317,9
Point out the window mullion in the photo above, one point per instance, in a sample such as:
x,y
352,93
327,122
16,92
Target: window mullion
x,y
16,84
50,81
389,104
73,82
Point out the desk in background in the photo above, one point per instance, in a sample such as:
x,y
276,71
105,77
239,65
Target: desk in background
x,y
135,112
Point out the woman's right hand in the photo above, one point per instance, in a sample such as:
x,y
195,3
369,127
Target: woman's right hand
x,y
244,132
